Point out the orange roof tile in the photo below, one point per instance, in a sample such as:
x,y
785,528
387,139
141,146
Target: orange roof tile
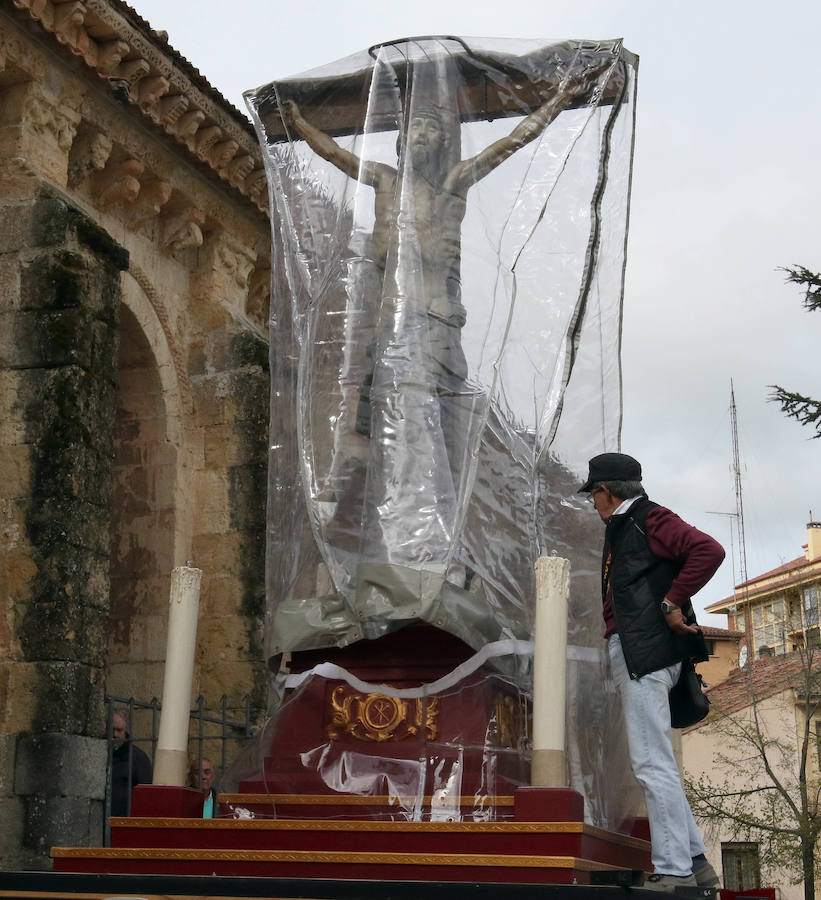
x,y
757,681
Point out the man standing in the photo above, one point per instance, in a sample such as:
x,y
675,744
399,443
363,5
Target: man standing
x,y
652,564
129,766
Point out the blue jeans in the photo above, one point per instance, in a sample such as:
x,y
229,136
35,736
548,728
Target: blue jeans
x,y
674,835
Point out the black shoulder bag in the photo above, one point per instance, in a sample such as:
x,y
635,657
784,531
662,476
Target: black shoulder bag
x,y
688,702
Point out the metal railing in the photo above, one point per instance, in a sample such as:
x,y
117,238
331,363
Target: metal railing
x,y
210,732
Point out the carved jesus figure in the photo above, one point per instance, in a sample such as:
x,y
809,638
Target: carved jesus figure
x,y
439,199
421,399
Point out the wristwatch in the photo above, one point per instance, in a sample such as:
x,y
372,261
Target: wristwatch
x,y
667,607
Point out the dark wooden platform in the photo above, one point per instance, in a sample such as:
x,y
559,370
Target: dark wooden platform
x,y
51,886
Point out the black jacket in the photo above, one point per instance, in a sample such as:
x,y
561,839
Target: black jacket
x,y
124,776
639,581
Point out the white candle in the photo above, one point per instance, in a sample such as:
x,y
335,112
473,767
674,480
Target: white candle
x,y
550,671
171,760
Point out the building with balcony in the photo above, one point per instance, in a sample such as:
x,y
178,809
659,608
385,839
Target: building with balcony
x,y
777,612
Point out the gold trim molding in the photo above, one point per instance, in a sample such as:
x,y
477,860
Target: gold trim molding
x,y
328,857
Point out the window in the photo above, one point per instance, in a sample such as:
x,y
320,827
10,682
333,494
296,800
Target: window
x,y
770,625
711,646
810,593
739,862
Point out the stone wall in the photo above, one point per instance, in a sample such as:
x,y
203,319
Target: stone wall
x,y
134,282
58,348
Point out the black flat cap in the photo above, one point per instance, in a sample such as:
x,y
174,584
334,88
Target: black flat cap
x,y
611,467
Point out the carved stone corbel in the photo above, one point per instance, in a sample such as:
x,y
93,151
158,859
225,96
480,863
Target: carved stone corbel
x,y
131,71
205,140
234,261
117,184
183,231
239,168
257,186
258,304
150,91
69,17
38,9
169,109
222,153
189,124
110,55
153,196
50,120
89,153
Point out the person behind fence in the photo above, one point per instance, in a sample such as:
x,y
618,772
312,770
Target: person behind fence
x,y
129,766
652,564
201,775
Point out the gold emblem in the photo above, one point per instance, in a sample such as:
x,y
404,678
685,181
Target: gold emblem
x,y
378,717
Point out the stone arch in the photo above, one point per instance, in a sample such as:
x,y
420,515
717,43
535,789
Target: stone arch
x,y
150,513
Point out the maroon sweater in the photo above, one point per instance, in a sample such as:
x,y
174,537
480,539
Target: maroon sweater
x,y
670,537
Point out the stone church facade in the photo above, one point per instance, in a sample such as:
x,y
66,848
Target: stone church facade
x,y
134,290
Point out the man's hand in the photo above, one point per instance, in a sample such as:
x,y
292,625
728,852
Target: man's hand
x,y
675,622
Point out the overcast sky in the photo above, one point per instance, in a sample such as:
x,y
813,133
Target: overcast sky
x,y
725,191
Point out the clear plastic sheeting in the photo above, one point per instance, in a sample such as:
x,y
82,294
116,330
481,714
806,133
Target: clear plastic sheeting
x,y
450,220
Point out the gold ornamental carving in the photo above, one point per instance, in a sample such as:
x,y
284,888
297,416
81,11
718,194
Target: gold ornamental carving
x,y
379,717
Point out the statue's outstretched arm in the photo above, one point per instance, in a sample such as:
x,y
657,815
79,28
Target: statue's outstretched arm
x,y
573,85
324,145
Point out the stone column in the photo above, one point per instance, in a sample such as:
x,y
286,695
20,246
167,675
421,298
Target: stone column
x,y
59,305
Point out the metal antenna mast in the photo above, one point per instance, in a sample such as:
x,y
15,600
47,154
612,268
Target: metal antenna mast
x,y
742,543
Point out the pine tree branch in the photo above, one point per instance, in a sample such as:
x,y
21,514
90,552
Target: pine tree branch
x,y
811,281
803,409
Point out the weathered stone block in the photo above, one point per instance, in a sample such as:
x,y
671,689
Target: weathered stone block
x,y
142,680
57,523
246,486
58,280
251,388
8,743
234,678
73,766
18,681
81,577
248,349
15,471
210,403
9,280
148,638
49,221
211,500
69,698
12,426
224,639
220,595
227,350
26,224
17,571
12,812
64,628
46,338
69,407
54,220
61,821
214,553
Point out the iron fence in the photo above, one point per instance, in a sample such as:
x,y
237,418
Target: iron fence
x,y
211,731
